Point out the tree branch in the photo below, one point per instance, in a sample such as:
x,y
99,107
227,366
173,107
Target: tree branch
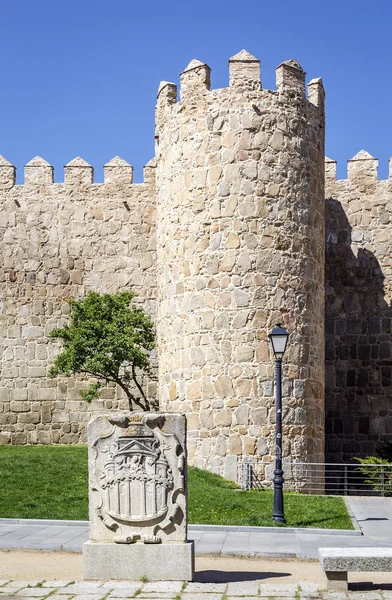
x,y
139,387
130,396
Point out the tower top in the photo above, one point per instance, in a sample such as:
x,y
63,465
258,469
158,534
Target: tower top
x,y
244,68
362,155
243,56
4,162
293,63
38,161
194,64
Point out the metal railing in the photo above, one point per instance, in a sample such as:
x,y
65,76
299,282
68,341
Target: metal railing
x,y
343,479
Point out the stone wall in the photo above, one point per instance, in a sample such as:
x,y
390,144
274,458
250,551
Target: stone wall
x,y
57,241
229,240
240,238
358,310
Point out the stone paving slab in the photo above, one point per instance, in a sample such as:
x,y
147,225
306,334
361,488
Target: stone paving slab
x,y
112,590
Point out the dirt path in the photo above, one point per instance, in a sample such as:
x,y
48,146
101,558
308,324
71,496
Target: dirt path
x,y
33,565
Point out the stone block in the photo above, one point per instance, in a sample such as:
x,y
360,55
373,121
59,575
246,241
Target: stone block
x,y
19,394
138,498
156,562
336,581
5,438
231,468
337,562
46,393
46,413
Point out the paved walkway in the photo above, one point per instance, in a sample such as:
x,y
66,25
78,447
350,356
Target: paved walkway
x,y
174,590
374,516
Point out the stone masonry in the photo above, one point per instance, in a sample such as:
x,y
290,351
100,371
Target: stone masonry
x,y
60,241
228,234
358,309
240,212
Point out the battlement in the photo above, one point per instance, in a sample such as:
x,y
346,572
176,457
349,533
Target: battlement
x,y
362,166
244,74
77,173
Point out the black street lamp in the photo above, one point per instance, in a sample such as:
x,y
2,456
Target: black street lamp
x,y
278,338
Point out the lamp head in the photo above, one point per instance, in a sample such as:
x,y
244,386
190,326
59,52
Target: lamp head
x,y
278,338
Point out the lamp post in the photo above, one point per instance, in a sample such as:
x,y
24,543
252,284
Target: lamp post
x,y
278,338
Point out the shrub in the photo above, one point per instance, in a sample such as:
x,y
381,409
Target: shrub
x,y
379,477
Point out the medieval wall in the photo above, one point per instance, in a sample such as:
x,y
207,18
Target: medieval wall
x,y
358,309
228,242
57,241
240,238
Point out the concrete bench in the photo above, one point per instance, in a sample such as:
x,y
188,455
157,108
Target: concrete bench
x,y
337,562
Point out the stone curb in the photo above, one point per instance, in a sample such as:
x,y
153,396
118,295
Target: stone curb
x,y
224,528
255,554
354,521
60,523
248,529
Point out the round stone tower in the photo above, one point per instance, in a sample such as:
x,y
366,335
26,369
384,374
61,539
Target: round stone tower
x,y
240,185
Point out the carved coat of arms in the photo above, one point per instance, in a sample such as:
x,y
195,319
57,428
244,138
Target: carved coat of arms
x,y
138,477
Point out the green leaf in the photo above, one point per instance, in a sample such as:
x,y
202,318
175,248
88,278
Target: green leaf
x,y
109,339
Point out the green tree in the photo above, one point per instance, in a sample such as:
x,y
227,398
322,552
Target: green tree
x,y
109,339
378,472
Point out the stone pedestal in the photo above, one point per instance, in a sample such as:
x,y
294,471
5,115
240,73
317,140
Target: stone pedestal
x,y
138,498
156,562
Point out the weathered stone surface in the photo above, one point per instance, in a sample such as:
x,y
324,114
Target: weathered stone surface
x,y
137,478
138,498
61,241
171,562
358,310
231,149
240,246
356,559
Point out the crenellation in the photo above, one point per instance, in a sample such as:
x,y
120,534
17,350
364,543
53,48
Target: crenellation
x,y
362,166
290,79
149,172
38,172
167,93
118,171
195,80
330,169
244,69
78,173
316,93
7,174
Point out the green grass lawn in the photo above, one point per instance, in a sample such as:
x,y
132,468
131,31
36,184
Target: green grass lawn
x,y
50,482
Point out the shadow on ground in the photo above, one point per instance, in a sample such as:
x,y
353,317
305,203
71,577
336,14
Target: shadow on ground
x,y
365,586
229,576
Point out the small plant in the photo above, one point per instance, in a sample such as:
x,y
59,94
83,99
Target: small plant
x,y
184,586
109,339
378,476
138,592
144,579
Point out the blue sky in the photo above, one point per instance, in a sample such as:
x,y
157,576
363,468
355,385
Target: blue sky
x,y
80,77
